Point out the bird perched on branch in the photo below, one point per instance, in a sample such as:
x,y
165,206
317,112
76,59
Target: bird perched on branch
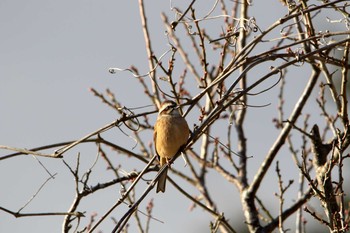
x,y
170,134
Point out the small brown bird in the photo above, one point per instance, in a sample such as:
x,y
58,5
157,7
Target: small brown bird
x,y
170,133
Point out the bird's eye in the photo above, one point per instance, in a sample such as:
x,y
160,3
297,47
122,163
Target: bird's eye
x,y
170,108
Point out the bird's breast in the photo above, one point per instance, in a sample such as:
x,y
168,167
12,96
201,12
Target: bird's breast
x,y
172,133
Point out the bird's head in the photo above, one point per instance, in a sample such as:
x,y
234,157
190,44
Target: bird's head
x,y
169,107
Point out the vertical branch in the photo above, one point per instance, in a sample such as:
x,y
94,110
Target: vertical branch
x,y
205,144
343,92
299,223
285,131
323,170
310,31
180,49
203,61
280,196
345,120
248,201
66,226
149,52
248,195
330,84
342,211
243,85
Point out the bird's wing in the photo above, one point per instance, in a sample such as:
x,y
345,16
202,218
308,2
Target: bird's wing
x,y
155,140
